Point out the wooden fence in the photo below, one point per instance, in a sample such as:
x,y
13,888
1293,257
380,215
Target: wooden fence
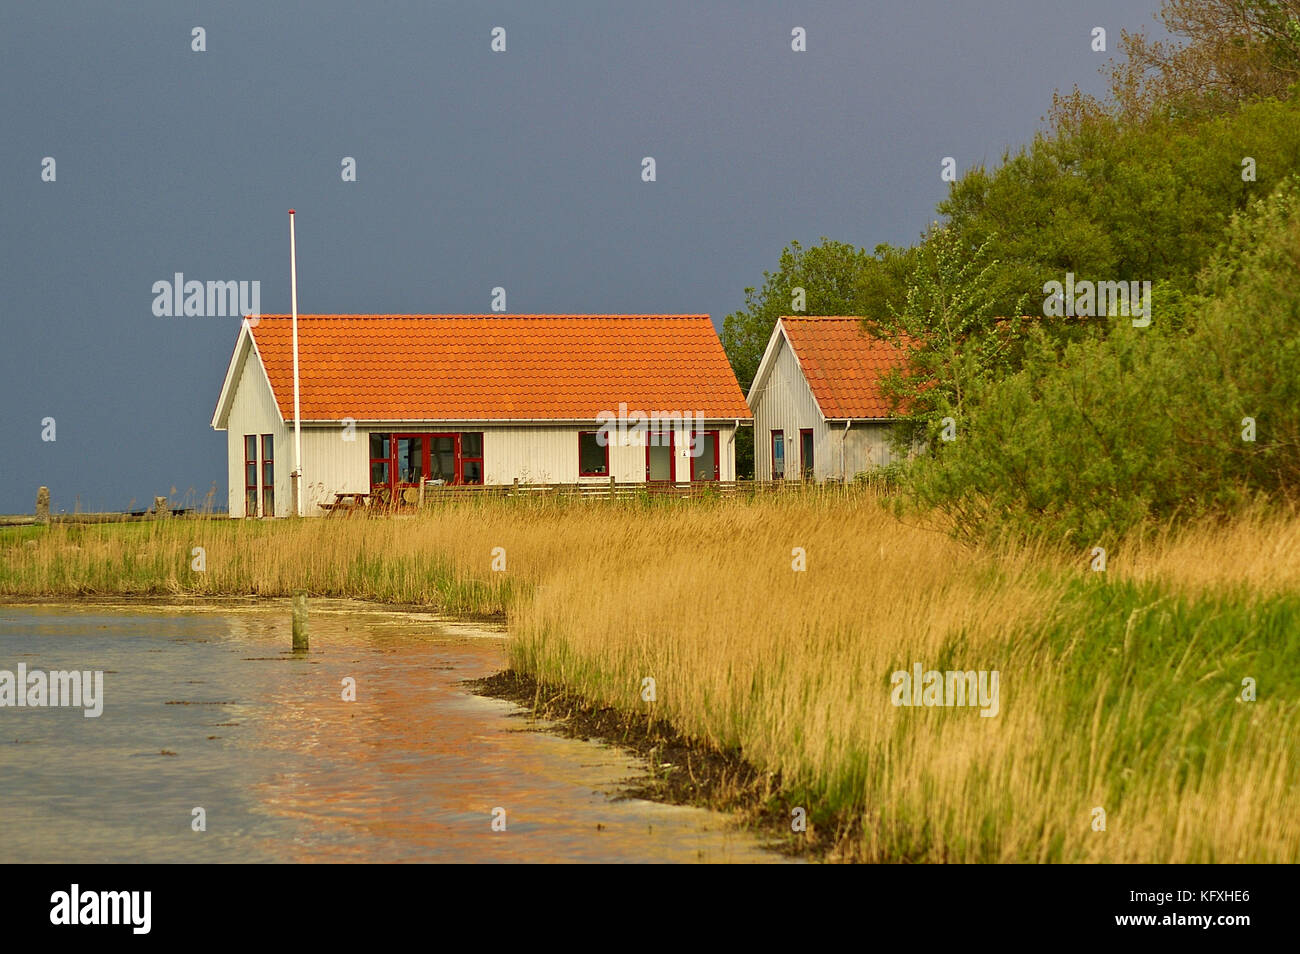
x,y
635,490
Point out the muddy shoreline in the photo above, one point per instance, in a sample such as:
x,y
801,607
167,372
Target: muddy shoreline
x,y
251,601
683,771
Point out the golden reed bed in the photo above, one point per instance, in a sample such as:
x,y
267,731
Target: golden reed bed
x,y
1120,691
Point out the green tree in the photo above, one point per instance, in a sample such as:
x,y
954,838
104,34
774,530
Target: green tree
x,y
831,278
1092,437
1222,55
954,329
1110,200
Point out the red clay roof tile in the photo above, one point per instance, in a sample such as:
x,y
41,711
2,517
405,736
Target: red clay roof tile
x,y
844,365
498,367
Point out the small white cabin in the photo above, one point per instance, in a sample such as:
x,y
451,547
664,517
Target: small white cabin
x,y
819,411
391,402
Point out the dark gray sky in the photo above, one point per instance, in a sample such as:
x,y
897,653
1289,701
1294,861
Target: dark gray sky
x,y
474,169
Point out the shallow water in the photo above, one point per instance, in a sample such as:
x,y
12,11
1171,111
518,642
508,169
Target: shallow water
x,y
207,708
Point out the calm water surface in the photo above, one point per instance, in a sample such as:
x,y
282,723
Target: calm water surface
x,y
206,708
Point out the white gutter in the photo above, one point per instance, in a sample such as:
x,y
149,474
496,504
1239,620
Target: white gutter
x,y
844,452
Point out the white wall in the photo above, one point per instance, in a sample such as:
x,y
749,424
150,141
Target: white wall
x,y
785,403
866,448
253,411
531,453
548,454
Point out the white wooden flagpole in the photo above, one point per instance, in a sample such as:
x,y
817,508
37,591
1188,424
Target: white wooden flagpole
x,y
297,408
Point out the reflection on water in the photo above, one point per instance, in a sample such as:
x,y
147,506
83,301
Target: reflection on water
x,y
208,709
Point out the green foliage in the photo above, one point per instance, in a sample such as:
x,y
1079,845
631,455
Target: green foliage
x,y
953,329
837,279
1088,440
1083,429
1110,201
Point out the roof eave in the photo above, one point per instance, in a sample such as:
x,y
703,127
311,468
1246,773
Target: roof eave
x,y
498,421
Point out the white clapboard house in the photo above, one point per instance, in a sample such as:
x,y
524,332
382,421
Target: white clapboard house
x,y
819,411
390,402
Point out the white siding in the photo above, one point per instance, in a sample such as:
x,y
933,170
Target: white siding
x,y
253,411
548,454
540,453
866,449
785,402
331,464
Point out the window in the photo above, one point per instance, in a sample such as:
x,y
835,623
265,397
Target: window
x,y
402,460
471,457
778,455
380,464
806,453
442,458
409,454
268,475
593,457
250,475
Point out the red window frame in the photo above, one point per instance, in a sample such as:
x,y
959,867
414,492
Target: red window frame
x,y
426,439
251,496
806,467
386,460
672,453
605,448
268,475
462,459
717,461
781,436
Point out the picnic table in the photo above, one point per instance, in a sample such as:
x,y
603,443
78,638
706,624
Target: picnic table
x,y
347,501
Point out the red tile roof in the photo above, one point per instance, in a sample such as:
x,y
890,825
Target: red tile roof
x,y
843,364
498,367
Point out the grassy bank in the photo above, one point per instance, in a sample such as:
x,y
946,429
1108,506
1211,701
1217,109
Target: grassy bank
x,y
1118,690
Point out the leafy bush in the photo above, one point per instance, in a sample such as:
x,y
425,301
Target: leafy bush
x,y
1092,437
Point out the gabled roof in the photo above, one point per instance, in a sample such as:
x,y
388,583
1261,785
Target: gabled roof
x,y
843,365
496,367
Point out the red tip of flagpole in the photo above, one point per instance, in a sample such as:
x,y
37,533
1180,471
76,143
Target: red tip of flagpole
x,y
291,211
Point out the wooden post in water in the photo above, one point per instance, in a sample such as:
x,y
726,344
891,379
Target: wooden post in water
x,y
300,622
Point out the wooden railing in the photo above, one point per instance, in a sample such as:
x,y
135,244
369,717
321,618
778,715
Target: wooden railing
x,y
433,494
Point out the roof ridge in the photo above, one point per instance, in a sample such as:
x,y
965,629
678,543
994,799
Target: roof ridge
x,y
823,317
493,315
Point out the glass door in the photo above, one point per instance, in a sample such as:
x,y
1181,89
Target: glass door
x,y
704,455
410,464
442,458
660,456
